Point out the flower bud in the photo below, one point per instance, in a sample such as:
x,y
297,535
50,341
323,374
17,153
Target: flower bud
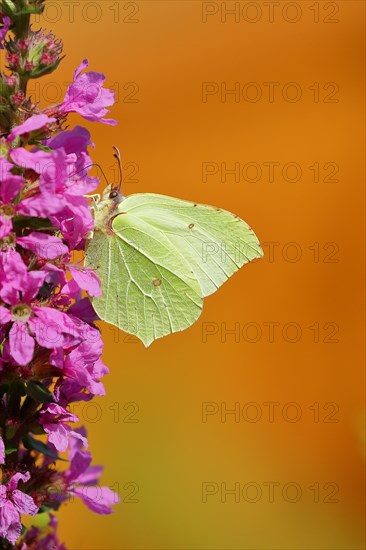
x,y
35,55
17,8
17,98
13,60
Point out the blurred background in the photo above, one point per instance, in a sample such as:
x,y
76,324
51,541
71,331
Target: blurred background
x,y
245,431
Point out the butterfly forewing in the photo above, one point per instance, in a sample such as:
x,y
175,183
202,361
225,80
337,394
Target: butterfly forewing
x,y
215,243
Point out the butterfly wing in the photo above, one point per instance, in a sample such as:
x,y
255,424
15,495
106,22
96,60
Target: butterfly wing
x,y
147,288
215,243
160,257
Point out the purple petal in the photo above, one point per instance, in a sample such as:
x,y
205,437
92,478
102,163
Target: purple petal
x,y
51,167
35,122
45,246
9,183
69,391
84,310
8,293
6,21
75,221
91,475
109,121
55,275
2,451
57,357
10,525
83,65
53,327
81,437
75,443
41,205
97,499
33,282
56,410
24,503
58,435
3,495
53,410
86,280
13,267
5,315
21,343
14,480
6,226
72,141
80,462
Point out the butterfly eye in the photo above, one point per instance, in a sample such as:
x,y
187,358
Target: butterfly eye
x,y
113,194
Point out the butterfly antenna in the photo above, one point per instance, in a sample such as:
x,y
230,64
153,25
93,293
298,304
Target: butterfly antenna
x,y
117,155
89,166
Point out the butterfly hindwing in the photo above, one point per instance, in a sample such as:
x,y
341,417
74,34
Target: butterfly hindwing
x,y
147,289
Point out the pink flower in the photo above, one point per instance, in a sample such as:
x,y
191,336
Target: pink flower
x,y
75,143
83,478
2,451
18,97
83,364
10,186
61,191
14,502
6,22
68,391
45,246
54,420
36,205
83,278
35,122
87,96
29,321
84,310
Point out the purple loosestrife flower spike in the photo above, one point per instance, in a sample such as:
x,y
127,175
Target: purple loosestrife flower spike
x,y
50,348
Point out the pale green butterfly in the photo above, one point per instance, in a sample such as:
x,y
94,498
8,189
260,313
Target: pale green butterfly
x,y
157,257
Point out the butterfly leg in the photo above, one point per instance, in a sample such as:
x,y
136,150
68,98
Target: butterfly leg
x,y
89,235
95,198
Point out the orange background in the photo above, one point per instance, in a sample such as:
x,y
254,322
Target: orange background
x,y
168,131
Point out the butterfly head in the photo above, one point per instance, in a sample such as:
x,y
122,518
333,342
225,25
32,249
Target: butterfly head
x,y
113,192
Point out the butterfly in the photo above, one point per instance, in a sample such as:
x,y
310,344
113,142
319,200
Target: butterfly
x,y
158,257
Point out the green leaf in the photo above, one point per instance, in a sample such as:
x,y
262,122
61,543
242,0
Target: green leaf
x,y
41,520
36,429
10,447
158,257
43,148
32,443
39,224
9,7
37,391
43,70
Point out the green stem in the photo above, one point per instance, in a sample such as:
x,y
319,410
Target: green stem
x,y
23,82
21,30
22,25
